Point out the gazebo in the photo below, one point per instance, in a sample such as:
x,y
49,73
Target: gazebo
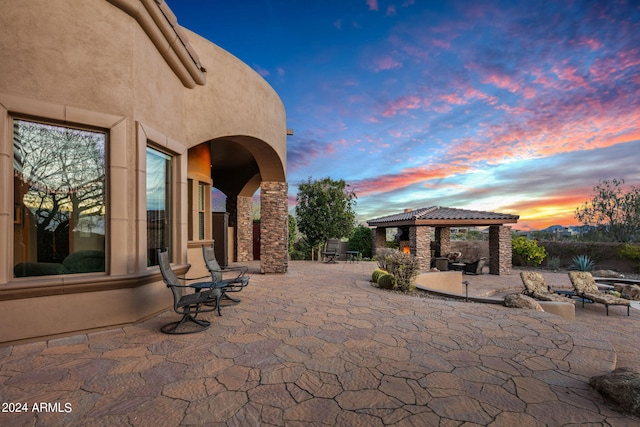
x,y
416,224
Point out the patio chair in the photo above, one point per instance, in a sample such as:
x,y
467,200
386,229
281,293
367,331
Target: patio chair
x,y
475,267
536,288
188,305
331,250
586,288
234,284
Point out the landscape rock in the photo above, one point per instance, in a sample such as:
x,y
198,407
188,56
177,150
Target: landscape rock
x,y
521,301
609,274
631,292
621,386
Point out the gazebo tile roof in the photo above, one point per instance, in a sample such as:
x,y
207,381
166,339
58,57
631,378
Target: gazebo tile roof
x,y
439,213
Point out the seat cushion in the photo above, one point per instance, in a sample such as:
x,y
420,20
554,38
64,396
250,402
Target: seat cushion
x,y
547,296
583,282
533,282
607,299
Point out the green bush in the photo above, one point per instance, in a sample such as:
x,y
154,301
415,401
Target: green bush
x,y
298,256
582,263
362,241
632,252
527,252
376,274
403,267
384,257
553,263
386,281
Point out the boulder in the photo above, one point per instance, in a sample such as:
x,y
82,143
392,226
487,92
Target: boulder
x,y
631,292
521,301
609,274
621,386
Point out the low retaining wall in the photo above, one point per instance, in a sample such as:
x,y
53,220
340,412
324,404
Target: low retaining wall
x,y
445,281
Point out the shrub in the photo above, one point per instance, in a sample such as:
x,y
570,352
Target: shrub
x,y
582,263
376,274
553,263
298,256
386,281
362,241
403,267
384,256
527,252
632,252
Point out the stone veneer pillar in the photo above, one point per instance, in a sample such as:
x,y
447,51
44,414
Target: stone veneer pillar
x,y
244,229
420,245
379,239
443,241
274,230
500,250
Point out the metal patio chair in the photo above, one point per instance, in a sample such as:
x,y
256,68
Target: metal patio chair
x,y
189,305
231,284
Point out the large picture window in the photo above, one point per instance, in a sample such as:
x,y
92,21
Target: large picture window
x,y
159,204
59,199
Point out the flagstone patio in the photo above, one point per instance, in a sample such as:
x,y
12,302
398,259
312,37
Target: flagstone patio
x,y
320,346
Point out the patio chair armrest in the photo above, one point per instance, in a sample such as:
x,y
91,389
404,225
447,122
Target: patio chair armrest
x,y
192,278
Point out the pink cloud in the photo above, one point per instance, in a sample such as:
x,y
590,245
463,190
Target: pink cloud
x,y
502,82
386,63
262,71
373,4
444,44
405,178
402,105
391,10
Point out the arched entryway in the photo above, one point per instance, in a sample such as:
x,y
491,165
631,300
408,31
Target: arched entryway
x,y
238,166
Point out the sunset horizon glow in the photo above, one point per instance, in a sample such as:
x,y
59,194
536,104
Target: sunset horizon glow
x,y
513,107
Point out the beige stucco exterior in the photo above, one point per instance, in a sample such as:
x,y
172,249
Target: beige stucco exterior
x,y
124,66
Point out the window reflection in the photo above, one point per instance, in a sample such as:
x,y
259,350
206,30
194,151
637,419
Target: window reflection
x,y
158,204
59,199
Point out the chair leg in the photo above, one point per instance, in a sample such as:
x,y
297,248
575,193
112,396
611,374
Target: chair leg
x,y
172,328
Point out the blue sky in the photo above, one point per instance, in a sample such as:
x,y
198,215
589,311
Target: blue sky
x,y
511,106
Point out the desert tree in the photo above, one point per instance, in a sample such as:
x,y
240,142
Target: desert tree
x,y
324,210
613,213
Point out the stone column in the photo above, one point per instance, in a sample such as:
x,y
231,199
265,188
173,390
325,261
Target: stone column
x,y
244,229
379,239
500,250
274,230
443,241
420,244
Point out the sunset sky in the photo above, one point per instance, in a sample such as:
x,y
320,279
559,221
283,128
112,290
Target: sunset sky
x,y
517,107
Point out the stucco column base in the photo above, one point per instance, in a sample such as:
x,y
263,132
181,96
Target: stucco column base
x,y
274,230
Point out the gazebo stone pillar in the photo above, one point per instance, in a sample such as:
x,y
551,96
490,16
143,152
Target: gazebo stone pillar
x,y
244,229
274,230
500,250
379,239
420,245
443,241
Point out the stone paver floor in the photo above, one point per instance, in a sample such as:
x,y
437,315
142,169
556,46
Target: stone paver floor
x,y
320,346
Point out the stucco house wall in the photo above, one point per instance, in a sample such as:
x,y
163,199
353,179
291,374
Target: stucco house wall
x,y
102,64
